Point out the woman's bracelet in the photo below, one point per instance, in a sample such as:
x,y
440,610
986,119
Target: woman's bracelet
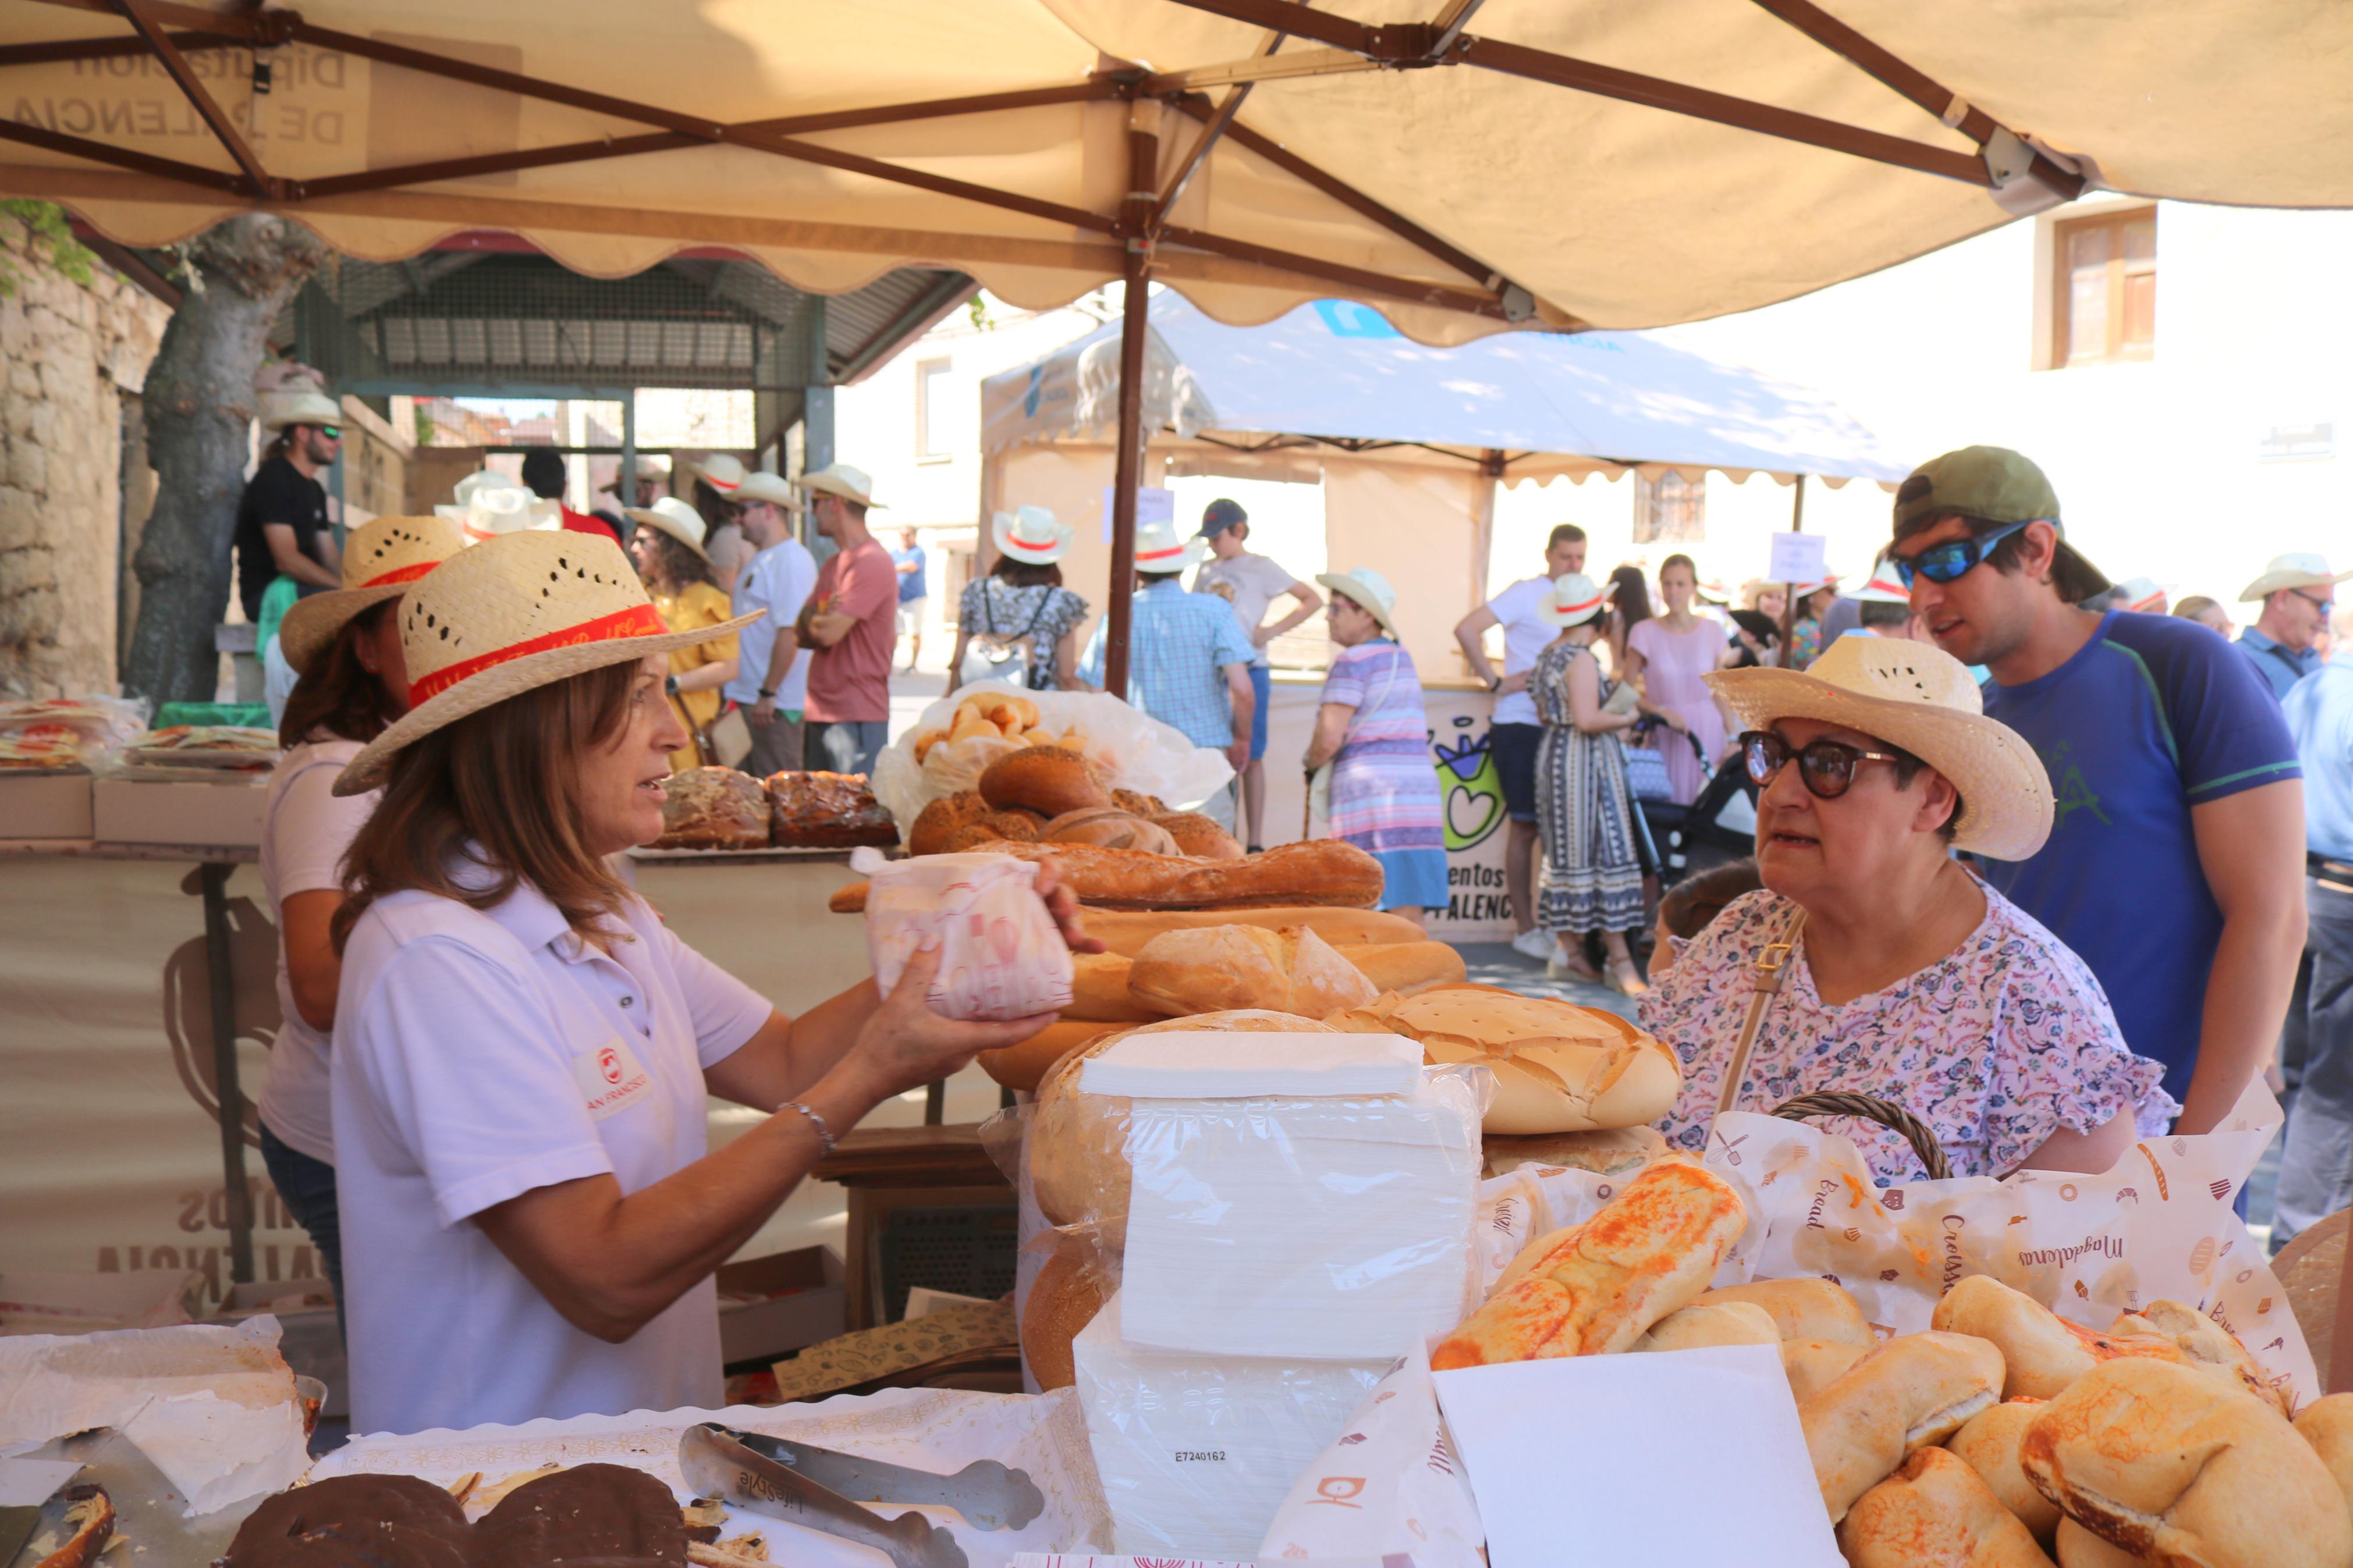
x,y
824,1133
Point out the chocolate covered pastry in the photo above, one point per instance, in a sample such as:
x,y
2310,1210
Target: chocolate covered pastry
x,y
608,1513
368,1521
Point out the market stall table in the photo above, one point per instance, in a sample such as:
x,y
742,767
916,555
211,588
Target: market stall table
x,y
942,1170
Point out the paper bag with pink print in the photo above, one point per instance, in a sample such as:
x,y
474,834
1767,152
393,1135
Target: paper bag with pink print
x,y
2158,1225
1001,956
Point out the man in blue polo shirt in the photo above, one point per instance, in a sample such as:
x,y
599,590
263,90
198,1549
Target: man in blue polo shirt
x,y
2298,592
2175,863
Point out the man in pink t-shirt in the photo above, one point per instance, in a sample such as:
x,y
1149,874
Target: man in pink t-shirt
x,y
850,625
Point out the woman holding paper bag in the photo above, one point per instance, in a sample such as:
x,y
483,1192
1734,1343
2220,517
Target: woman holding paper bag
x,y
522,1048
1872,961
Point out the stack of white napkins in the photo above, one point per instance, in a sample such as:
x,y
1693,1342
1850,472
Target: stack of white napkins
x,y
1317,1208
1197,1452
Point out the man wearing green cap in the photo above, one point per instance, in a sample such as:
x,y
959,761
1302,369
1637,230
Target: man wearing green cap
x,y
2174,868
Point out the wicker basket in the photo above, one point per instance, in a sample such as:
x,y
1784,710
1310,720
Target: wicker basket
x,y
1870,1107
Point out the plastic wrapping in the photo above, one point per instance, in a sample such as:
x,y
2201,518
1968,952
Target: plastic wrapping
x,y
65,734
1195,1452
1001,954
1133,750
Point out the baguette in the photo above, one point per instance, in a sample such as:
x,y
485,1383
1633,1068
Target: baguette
x,y
1936,1512
1803,1309
1126,931
2043,1353
1811,1364
1220,969
1597,1287
1911,1392
1099,992
1318,871
1021,1067
1990,1443
1407,967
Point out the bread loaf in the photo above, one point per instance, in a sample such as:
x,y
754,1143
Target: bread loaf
x,y
1099,992
1559,1067
940,821
1126,931
1811,1364
2079,1547
1064,1299
1021,1067
712,808
1043,778
1803,1309
995,827
1701,1324
1196,835
1604,1151
1936,1512
2205,1345
1911,1392
1597,1287
2042,1352
1109,828
1223,968
1141,804
1990,1444
2172,1464
1407,967
2326,1424
826,811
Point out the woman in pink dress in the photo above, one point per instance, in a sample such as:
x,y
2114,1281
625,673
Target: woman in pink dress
x,y
1668,654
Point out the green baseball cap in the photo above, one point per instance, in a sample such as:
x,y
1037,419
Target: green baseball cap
x,y
1995,485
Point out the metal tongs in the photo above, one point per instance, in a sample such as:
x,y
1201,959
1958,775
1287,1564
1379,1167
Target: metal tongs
x,y
822,1490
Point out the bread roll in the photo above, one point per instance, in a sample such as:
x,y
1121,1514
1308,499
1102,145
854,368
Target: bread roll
x,y
1021,1067
1803,1309
1811,1364
1099,990
1559,1067
2042,1351
1042,778
2206,1344
1407,967
938,822
1597,1287
2171,1463
1109,828
2079,1547
1064,1299
1078,1143
1140,804
1936,1512
2327,1425
1196,835
1604,1151
1991,1443
1126,931
1911,1392
1701,1324
995,827
1222,968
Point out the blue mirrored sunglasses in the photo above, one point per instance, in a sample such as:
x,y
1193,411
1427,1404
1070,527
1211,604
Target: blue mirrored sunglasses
x,y
1953,558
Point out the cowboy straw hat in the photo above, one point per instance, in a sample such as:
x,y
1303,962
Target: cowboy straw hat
x,y
760,485
1920,698
380,559
2296,569
1160,549
499,507
671,516
1575,599
1368,591
2139,593
723,471
841,480
281,409
1030,534
524,610
1884,587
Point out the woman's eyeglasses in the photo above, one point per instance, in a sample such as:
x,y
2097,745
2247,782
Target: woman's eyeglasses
x,y
1825,767
1953,558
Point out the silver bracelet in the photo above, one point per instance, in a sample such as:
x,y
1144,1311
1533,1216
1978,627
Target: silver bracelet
x,y
824,1134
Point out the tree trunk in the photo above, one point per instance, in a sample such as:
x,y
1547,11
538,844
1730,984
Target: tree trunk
x,y
199,402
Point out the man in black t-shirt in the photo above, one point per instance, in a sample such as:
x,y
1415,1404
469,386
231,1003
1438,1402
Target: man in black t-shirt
x,y
281,523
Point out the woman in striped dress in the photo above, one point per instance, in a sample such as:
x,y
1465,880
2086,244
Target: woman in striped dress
x,y
1372,731
1592,874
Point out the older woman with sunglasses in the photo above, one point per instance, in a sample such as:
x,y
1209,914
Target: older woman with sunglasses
x,y
1872,961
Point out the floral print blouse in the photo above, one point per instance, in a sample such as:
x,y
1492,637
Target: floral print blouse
x,y
1996,1045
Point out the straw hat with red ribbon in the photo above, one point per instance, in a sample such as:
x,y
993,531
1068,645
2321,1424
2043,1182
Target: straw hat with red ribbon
x,y
521,611
1032,535
1159,548
1575,599
1884,587
380,559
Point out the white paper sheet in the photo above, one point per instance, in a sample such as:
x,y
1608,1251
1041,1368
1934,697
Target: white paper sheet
x,y
28,1483
1673,1457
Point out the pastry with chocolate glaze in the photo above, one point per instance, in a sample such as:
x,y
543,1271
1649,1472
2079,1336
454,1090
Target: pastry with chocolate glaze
x,y
607,1515
356,1521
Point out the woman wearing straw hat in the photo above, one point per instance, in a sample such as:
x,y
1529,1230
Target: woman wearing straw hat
x,y
1020,617
1873,962
666,547
522,1048
1592,874
345,647
1372,730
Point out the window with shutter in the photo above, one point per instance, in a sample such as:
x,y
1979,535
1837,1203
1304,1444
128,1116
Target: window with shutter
x,y
2103,282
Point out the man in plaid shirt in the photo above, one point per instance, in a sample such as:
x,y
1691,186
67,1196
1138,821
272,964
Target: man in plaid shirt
x,y
1187,661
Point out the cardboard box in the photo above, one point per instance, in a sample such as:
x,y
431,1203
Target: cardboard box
x,y
45,805
92,1303
124,812
308,1336
770,1305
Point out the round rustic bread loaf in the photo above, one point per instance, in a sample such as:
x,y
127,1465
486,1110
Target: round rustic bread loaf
x,y
1043,778
1064,1299
1138,802
938,822
1110,827
1197,835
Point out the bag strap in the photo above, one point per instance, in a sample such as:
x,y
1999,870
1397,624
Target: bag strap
x,y
1772,962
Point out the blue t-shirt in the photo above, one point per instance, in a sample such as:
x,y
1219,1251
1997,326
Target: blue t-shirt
x,y
911,583
2151,717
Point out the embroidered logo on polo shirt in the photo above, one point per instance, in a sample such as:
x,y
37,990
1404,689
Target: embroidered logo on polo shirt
x,y
610,1078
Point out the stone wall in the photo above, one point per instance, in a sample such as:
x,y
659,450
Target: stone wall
x,y
71,354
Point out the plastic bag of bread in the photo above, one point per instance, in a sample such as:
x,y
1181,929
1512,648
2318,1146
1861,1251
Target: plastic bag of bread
x,y
1001,954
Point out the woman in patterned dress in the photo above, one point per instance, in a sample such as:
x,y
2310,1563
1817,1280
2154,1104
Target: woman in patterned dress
x,y
1901,974
1370,727
1592,878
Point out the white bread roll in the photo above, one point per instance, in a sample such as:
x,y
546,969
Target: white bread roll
x,y
2327,1425
1700,1325
2043,1353
1935,1513
2079,1547
1911,1392
2207,1345
1222,969
1812,1364
1991,1443
2168,1462
1559,1067
1803,1309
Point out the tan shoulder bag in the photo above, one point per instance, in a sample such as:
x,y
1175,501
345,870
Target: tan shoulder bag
x,y
1771,964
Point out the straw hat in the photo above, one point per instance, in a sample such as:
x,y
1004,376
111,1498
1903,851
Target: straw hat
x,y
2297,569
521,611
723,471
1575,599
2139,593
1884,587
1368,590
380,559
497,505
672,516
1159,548
1030,534
283,408
841,480
762,484
1920,698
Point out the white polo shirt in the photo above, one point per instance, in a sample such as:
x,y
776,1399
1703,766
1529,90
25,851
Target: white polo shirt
x,y
1525,635
304,831
777,583
479,1056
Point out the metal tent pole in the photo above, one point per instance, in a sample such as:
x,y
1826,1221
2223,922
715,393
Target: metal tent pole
x,y
627,490
1143,168
1789,590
